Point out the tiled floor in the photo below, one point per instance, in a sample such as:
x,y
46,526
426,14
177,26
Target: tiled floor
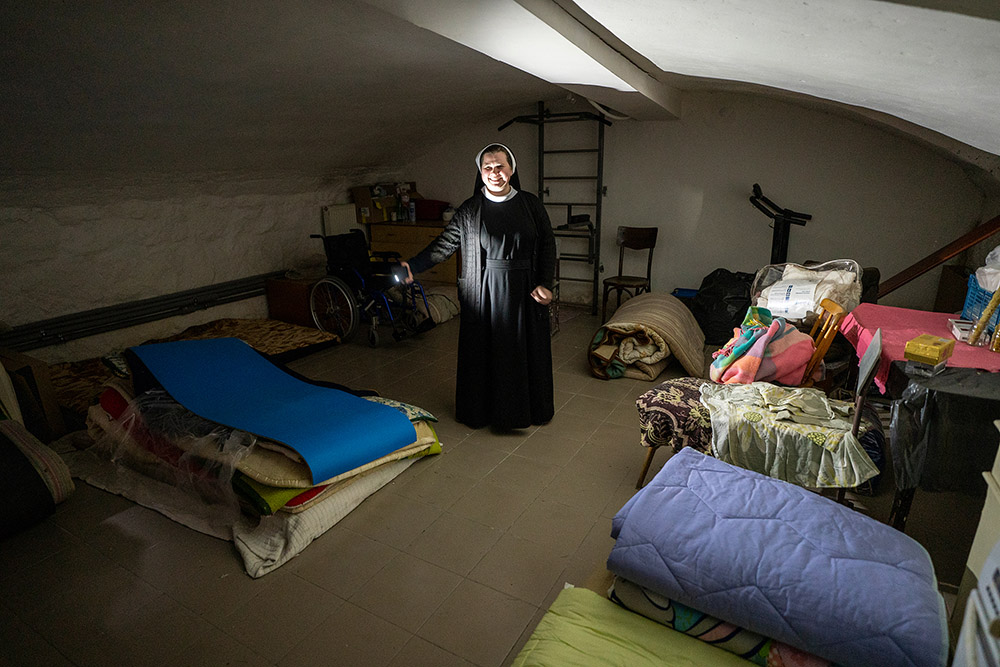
x,y
451,564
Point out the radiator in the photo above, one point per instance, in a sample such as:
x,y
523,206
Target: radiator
x,y
87,323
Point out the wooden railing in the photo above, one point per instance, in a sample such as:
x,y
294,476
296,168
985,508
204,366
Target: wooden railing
x,y
980,233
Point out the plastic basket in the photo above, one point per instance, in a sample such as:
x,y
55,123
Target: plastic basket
x,y
976,300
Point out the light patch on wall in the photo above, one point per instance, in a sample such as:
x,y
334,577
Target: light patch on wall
x,y
506,31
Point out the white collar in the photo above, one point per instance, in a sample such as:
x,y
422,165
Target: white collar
x,y
498,198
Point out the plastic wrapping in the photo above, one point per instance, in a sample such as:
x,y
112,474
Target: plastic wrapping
x,y
942,431
794,291
165,457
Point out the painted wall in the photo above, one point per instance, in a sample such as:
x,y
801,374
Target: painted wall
x,y
875,196
69,248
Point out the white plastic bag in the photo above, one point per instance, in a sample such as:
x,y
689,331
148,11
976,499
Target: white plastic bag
x,y
993,259
988,276
794,291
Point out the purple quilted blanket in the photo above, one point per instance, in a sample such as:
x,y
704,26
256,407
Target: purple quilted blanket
x,y
782,561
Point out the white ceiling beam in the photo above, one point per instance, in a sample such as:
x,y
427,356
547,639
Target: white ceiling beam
x,y
542,39
667,98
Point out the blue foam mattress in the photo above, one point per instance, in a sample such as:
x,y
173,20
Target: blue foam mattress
x,y
226,381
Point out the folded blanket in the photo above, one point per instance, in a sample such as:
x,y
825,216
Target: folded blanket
x,y
764,349
782,561
639,339
748,645
794,434
581,629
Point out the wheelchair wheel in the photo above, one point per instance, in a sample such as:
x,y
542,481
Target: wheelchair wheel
x,y
410,321
333,307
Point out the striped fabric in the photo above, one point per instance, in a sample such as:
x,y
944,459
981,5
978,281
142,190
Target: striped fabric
x,y
50,466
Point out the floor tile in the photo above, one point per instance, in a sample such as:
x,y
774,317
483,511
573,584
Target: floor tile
x,y
406,591
455,543
214,647
549,447
26,548
478,623
147,630
522,474
349,637
280,616
341,561
419,652
206,575
520,568
391,518
472,459
23,646
587,492
569,425
558,527
491,504
523,639
78,578
440,487
589,406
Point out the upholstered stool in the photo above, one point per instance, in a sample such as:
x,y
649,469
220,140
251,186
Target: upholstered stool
x,y
671,413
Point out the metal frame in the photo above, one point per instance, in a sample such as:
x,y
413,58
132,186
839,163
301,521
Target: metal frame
x,y
592,233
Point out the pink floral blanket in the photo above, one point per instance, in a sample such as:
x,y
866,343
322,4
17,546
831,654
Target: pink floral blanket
x,y
763,349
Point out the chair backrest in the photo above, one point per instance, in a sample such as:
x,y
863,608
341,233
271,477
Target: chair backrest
x,y
636,238
867,368
346,252
823,332
870,361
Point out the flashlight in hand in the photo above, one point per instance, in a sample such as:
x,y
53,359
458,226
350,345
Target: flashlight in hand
x,y
398,272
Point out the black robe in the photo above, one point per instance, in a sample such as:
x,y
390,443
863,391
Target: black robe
x,y
504,350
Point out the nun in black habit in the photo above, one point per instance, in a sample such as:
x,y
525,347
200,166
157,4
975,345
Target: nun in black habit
x,y
508,259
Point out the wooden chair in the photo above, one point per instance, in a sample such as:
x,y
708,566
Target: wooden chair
x,y
823,332
633,238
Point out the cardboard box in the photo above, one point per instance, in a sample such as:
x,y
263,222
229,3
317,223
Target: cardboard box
x,y
928,349
378,203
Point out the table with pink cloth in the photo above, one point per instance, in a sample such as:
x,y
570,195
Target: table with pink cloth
x,y
941,436
900,325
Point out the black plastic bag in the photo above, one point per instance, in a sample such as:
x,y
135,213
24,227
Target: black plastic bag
x,y
721,304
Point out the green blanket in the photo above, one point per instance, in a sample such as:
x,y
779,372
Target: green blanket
x,y
581,628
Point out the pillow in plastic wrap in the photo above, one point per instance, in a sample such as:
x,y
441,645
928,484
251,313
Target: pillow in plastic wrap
x,y
794,291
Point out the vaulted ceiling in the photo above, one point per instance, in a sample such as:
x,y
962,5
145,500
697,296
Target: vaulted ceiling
x,y
320,86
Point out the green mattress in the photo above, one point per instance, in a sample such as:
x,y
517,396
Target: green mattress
x,y
583,628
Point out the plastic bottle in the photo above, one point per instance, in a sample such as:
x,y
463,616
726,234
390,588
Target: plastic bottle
x,y
404,205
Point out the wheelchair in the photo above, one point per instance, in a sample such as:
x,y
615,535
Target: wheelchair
x,y
363,284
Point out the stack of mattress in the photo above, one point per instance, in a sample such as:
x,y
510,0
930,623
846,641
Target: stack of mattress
x,y
215,436
769,570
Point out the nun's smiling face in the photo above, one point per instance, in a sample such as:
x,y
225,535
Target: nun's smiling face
x,y
496,172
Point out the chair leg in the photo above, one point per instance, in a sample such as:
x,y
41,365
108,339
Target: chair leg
x,y
645,467
604,305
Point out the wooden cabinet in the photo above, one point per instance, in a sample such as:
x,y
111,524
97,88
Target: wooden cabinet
x,y
409,238
288,300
